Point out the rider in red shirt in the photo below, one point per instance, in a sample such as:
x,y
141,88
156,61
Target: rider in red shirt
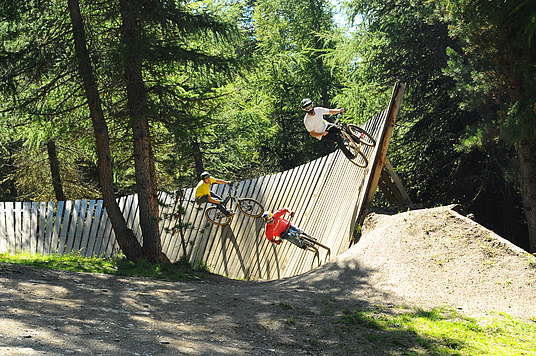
x,y
279,228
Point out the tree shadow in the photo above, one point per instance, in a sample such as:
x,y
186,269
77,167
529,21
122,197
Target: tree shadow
x,y
321,312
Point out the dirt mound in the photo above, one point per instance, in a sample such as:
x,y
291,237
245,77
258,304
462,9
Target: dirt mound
x,y
432,257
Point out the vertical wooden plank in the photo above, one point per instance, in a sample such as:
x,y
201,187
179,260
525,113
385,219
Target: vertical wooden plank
x,y
171,244
167,208
192,230
194,235
108,237
136,227
10,227
17,219
75,216
48,229
34,233
130,211
87,223
93,237
64,226
100,244
26,226
81,225
41,227
54,248
3,229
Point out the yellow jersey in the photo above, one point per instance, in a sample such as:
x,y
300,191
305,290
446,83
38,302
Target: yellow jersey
x,y
203,188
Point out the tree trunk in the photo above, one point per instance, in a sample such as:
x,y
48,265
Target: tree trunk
x,y
143,154
526,150
125,237
198,156
55,170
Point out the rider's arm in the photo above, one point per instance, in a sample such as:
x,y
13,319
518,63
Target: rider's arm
x,y
317,134
280,213
335,111
221,181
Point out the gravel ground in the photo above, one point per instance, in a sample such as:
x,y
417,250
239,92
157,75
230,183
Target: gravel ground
x,y
422,258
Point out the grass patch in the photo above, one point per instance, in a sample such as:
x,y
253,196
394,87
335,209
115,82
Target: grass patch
x,y
441,332
180,270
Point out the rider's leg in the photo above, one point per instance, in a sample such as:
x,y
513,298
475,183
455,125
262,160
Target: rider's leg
x,y
216,200
292,237
334,134
292,229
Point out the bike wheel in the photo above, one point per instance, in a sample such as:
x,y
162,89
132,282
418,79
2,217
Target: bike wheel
x,y
364,137
250,207
215,216
359,159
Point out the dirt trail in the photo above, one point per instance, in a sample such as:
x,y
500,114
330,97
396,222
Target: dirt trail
x,y
421,258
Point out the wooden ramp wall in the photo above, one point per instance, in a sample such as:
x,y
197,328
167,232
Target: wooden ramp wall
x,y
327,195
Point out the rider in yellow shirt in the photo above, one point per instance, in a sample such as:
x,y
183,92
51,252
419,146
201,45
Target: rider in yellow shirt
x,y
204,195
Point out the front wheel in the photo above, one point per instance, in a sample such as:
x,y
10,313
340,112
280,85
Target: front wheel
x,y
364,137
215,216
250,207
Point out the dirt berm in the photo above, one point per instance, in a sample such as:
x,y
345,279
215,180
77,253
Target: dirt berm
x,y
433,257
421,258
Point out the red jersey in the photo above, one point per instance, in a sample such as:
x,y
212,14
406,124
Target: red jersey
x,y
278,225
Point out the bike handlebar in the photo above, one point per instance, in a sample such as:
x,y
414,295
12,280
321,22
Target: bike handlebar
x,y
334,123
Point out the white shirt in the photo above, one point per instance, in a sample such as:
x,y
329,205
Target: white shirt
x,y
316,122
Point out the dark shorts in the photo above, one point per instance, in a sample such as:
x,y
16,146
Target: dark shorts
x,y
202,199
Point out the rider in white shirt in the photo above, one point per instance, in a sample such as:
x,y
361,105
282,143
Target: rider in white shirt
x,y
318,127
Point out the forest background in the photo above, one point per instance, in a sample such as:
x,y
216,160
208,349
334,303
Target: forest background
x,y
105,98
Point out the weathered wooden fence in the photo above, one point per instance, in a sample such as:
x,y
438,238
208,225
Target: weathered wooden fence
x,y
327,195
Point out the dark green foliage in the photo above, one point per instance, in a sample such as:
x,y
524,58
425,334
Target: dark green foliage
x,y
444,150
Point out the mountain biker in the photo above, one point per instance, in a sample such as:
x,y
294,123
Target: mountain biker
x,y
318,127
278,228
203,193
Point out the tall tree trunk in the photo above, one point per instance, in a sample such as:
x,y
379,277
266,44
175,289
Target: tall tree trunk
x,y
54,164
198,156
125,237
527,166
143,154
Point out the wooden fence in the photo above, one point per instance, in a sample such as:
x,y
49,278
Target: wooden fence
x,y
327,195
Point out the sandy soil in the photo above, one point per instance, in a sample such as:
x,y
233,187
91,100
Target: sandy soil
x,y
422,258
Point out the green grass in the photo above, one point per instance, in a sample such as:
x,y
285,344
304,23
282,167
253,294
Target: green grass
x,y
441,332
180,270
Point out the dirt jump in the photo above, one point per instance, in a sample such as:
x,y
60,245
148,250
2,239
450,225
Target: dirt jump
x,y
423,258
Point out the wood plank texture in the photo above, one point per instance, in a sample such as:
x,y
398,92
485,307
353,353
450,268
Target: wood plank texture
x,y
328,196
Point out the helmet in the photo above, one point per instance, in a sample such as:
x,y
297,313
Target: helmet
x,y
204,175
307,104
267,215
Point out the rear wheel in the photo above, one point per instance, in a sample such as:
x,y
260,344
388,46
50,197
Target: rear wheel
x,y
364,137
250,207
215,216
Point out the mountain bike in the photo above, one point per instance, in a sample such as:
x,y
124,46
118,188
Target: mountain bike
x,y
353,137
248,206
